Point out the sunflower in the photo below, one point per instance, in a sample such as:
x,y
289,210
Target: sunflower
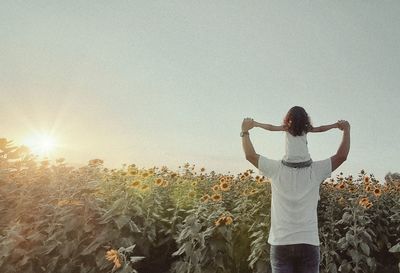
x,y
363,201
202,169
159,181
205,198
368,188
366,180
341,186
225,186
350,180
216,188
135,184
145,174
224,220
228,220
112,255
144,187
377,192
246,173
260,180
368,205
216,197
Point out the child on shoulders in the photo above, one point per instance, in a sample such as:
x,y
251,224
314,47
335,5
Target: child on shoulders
x,y
296,124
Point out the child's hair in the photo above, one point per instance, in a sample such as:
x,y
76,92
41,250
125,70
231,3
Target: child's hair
x,y
297,121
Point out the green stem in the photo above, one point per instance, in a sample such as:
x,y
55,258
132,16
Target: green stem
x,y
355,236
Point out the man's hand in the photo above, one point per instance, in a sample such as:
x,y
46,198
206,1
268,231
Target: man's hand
x,y
344,148
251,155
247,124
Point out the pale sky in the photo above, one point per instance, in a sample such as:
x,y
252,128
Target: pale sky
x,y
167,82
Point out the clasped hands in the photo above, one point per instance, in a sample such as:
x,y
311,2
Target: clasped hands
x,y
247,124
343,125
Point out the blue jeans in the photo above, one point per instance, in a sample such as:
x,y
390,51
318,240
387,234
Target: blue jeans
x,y
298,258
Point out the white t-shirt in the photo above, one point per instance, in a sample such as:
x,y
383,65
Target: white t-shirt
x,y
295,195
296,148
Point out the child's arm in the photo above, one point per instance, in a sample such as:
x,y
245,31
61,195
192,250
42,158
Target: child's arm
x,y
269,127
324,128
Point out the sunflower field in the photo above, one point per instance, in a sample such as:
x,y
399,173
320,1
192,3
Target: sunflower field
x,y
57,218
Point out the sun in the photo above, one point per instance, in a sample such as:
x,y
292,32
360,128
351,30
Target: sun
x,y
41,144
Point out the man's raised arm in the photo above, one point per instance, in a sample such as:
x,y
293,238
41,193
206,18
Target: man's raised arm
x,y
248,148
344,148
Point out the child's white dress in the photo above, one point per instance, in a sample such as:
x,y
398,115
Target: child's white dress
x,y
296,149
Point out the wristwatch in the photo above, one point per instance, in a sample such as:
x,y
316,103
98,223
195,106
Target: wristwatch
x,y
242,134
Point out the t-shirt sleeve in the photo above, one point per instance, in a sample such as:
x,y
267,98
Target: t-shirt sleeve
x,y
268,167
322,169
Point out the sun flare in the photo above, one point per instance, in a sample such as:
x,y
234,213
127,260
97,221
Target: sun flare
x,y
41,144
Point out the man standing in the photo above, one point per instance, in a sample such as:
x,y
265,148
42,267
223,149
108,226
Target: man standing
x,y
293,234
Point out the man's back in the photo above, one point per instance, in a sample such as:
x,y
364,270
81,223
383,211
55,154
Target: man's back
x,y
295,194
